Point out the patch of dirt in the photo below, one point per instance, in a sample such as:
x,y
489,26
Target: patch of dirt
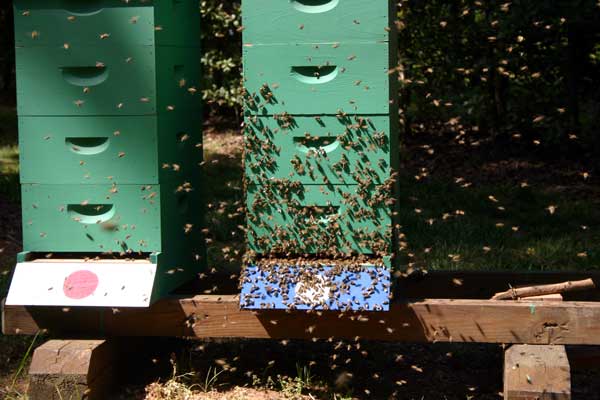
x,y
10,224
174,391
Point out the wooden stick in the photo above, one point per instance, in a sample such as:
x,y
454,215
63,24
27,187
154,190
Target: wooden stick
x,y
557,288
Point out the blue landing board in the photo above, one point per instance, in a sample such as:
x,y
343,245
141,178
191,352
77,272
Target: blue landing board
x,y
316,288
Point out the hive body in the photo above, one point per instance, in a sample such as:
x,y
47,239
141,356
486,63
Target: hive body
x,y
320,147
110,133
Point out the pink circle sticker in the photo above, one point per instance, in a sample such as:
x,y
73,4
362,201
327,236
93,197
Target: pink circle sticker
x,y
80,285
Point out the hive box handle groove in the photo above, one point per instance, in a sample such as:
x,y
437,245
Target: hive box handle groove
x,y
314,6
319,145
314,75
82,7
322,214
91,213
85,76
87,146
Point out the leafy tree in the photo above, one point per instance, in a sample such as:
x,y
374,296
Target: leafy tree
x,y
515,72
221,57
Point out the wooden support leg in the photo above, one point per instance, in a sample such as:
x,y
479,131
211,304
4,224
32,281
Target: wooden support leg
x,y
72,370
537,373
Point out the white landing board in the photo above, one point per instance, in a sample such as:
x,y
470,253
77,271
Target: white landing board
x,y
76,283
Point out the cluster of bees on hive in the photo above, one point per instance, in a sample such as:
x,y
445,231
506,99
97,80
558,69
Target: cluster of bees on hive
x,y
312,237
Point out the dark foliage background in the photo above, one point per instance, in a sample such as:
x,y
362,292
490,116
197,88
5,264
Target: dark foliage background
x,y
519,75
7,52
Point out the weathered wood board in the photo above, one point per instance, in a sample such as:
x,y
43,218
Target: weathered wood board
x,y
537,373
432,320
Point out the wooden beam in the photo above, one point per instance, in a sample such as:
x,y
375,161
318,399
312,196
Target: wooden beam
x,y
432,320
537,373
72,369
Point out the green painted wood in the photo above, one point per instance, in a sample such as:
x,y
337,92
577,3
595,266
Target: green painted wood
x,y
113,218
102,150
183,253
317,79
179,253
54,23
138,80
315,21
288,218
91,218
319,150
178,79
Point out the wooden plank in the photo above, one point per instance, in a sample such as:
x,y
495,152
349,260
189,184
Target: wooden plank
x,y
537,373
65,369
432,320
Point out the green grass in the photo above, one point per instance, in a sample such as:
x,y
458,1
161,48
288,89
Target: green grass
x,y
525,235
9,155
224,196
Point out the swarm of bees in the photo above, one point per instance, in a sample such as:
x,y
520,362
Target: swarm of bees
x,y
321,199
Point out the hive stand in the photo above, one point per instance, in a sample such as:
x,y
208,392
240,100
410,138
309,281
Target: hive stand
x,y
546,325
537,373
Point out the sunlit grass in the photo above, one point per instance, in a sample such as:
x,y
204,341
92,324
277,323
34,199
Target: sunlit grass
x,y
9,155
9,159
495,227
224,197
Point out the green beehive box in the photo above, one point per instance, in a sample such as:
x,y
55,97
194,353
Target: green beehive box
x,y
317,79
333,220
310,21
136,80
110,142
105,218
318,150
106,150
124,246
54,23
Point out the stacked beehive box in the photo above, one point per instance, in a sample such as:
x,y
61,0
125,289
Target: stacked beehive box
x,y
321,148
110,134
